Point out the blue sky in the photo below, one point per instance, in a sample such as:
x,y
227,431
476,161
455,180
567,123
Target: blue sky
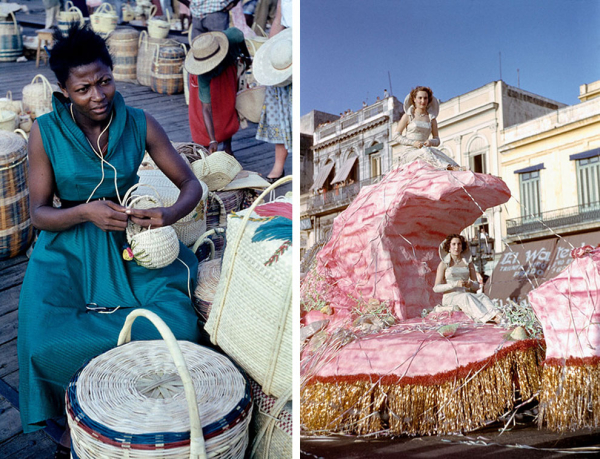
x,y
349,46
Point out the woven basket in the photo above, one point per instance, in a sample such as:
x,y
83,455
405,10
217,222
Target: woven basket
x,y
158,28
190,227
148,47
104,20
167,70
8,120
152,248
249,103
209,273
11,40
217,169
251,316
191,150
158,399
16,231
271,426
123,46
37,96
254,43
128,13
71,16
7,103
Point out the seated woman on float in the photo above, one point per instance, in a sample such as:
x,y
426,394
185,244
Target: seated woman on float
x,y
419,121
456,279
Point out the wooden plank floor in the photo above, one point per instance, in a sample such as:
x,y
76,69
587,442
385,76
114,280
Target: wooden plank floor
x,y
172,113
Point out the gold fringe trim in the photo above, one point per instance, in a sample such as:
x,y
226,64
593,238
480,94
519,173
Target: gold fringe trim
x,y
570,397
363,407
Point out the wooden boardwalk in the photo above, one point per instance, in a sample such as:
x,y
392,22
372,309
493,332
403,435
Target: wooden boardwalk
x,y
172,113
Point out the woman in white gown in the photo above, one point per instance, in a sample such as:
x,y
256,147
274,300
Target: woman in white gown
x,y
421,109
456,279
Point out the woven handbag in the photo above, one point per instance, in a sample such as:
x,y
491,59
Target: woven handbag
x,y
11,39
158,28
152,248
193,225
249,103
158,399
8,120
7,103
251,316
104,20
217,169
69,17
209,273
37,96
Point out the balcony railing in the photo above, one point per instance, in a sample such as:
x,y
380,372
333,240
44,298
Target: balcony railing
x,y
560,218
339,197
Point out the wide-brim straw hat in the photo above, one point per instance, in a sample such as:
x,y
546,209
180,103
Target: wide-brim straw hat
x,y
445,256
246,179
433,107
273,61
207,51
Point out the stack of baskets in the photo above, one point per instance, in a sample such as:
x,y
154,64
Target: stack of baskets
x,y
11,39
37,96
150,399
123,47
16,231
69,17
104,20
167,70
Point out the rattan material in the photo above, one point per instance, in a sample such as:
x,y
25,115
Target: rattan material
x,y
69,17
158,28
190,227
123,46
104,20
249,103
271,426
220,204
152,248
16,231
251,316
191,150
148,47
128,13
8,120
11,40
7,103
254,43
37,96
209,273
167,70
216,169
158,399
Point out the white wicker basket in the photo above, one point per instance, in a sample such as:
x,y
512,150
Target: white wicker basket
x,y
104,20
37,96
158,399
193,225
7,103
8,120
251,316
158,28
216,170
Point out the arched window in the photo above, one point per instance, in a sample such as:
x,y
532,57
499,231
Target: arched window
x,y
477,150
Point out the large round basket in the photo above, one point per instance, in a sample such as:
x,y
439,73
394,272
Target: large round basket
x,y
69,17
37,96
158,399
158,28
104,20
11,40
167,70
123,47
148,48
217,169
16,231
190,227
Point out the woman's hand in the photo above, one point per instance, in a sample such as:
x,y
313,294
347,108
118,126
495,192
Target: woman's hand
x,y
151,218
213,146
427,143
418,144
106,215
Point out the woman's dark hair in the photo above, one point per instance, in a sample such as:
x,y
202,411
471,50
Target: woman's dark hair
x,y
448,240
81,46
414,92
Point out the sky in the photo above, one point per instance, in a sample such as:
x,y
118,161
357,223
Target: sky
x,y
351,49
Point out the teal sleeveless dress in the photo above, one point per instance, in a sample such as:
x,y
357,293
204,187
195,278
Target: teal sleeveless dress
x,y
76,278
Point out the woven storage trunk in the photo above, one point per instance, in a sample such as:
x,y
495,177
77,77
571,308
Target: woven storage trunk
x,y
167,70
37,96
16,231
69,17
11,40
251,316
123,47
104,20
158,399
190,227
271,426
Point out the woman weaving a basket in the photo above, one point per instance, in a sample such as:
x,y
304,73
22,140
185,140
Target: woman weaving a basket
x,y
78,287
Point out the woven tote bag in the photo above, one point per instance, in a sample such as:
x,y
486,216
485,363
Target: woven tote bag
x,y
37,96
11,39
158,399
249,103
217,169
69,17
104,20
7,103
158,28
251,316
152,248
190,227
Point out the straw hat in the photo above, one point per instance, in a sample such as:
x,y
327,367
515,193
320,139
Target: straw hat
x,y
207,51
273,61
433,108
246,179
445,256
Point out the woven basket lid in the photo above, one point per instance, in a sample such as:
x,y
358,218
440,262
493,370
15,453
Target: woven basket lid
x,y
125,33
12,148
171,52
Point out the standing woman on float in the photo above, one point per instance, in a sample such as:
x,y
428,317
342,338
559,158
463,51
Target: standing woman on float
x,y
78,288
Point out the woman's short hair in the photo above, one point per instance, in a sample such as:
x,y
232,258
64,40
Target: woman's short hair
x,y
448,240
414,92
80,46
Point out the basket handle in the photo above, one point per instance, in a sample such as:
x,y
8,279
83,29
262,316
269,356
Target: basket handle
x,y
9,95
261,31
222,214
15,23
273,417
143,34
197,448
22,133
68,6
45,82
189,34
153,10
105,6
78,12
135,187
168,17
204,238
